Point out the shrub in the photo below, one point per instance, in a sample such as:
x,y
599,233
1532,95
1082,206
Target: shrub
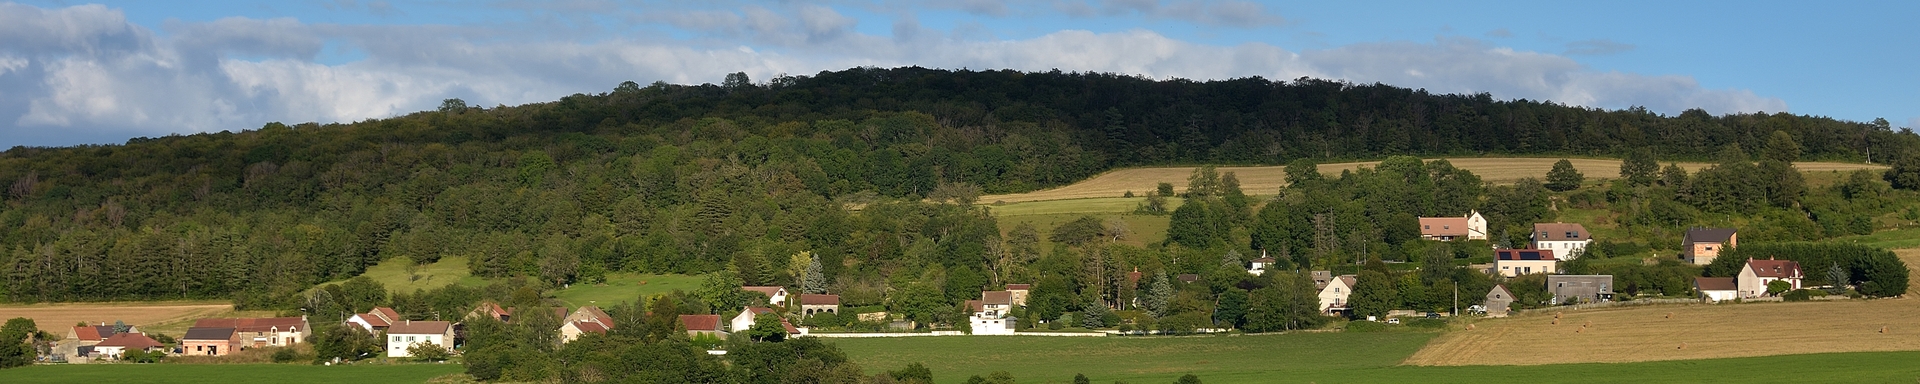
x,y
1798,295
427,352
1054,325
284,355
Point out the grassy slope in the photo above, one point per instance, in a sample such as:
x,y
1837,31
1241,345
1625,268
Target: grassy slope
x,y
625,287
449,270
225,373
1323,358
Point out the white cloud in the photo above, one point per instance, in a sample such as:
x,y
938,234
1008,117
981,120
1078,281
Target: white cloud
x,y
89,73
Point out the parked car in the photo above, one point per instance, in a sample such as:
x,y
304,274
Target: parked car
x,y
1395,320
1433,315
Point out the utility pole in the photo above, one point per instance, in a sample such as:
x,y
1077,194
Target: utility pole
x,y
1456,299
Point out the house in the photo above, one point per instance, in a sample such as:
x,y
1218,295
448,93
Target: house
x,y
1516,262
811,304
1715,289
775,295
263,331
990,313
117,345
1756,274
210,342
1321,278
81,339
376,320
697,325
1020,293
1701,245
407,333
1473,226
1260,265
1498,300
1333,296
588,319
745,319
1567,239
1580,288
489,309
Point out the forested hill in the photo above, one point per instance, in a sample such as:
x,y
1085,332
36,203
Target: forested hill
x,y
671,178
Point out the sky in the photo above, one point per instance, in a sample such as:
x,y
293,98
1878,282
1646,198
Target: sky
x,y
101,73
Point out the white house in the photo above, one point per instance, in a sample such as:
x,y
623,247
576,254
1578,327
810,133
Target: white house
x,y
990,313
775,295
1756,274
1333,296
744,320
1566,239
406,333
1715,289
1516,262
588,319
1261,265
1473,226
375,320
117,345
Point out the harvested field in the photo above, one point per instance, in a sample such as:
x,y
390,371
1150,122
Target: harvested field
x,y
59,318
1912,257
1266,180
1646,333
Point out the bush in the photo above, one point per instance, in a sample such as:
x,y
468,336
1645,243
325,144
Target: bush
x,y
1798,295
427,352
285,355
1054,325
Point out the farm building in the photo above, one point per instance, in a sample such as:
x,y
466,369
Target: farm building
x,y
1701,245
1715,289
588,319
1499,299
209,342
1580,288
263,331
702,324
120,343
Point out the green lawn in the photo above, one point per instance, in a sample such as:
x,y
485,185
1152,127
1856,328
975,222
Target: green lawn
x,y
226,373
1323,358
1889,239
623,287
449,270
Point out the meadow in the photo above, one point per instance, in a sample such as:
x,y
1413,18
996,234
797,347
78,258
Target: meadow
x,y
624,287
226,373
1324,358
392,273
1265,180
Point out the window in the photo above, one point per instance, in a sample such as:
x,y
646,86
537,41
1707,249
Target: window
x,y
1709,247
396,339
1573,234
1426,227
1446,227
409,339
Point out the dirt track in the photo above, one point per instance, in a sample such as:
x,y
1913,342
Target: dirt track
x,y
1645,333
1268,180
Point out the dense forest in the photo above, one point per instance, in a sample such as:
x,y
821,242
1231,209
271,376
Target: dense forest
x,y
741,177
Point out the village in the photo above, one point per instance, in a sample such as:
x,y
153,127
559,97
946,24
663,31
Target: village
x,y
991,314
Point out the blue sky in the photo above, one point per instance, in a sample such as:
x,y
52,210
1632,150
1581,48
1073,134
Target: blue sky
x,y
88,73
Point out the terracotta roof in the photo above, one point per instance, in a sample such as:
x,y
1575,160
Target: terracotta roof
x,y
1264,260
1524,254
129,341
419,328
813,299
769,291
1019,287
757,311
1349,280
700,322
208,334
258,324
1785,269
588,326
1708,235
1560,232
973,305
89,333
996,298
1443,226
373,320
789,326
594,313
385,313
1714,283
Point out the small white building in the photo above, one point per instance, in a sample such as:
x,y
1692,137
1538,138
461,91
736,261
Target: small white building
x,y
1260,266
775,295
744,320
406,333
1566,239
990,313
1516,262
1333,296
376,320
1715,289
1756,274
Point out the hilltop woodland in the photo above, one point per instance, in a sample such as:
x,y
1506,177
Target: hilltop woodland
x,y
861,182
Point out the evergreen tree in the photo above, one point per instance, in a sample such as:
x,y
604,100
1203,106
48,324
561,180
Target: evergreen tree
x,y
1159,296
816,280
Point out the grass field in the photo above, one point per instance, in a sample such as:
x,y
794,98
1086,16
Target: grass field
x,y
1911,256
1142,229
225,373
449,270
623,287
1630,334
1266,180
150,316
1324,358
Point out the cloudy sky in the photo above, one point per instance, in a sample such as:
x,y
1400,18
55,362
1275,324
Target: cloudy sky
x,y
87,73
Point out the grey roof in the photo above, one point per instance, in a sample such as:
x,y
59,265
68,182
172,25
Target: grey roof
x,y
1709,235
208,333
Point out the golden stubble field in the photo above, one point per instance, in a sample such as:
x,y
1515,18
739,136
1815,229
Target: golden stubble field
x,y
1268,180
162,317
1681,332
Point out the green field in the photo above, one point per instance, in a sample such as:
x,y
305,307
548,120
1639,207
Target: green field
x,y
226,373
1323,358
1889,239
622,287
449,270
1093,205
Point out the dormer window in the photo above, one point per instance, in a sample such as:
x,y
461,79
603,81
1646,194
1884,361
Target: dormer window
x,y
1573,234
